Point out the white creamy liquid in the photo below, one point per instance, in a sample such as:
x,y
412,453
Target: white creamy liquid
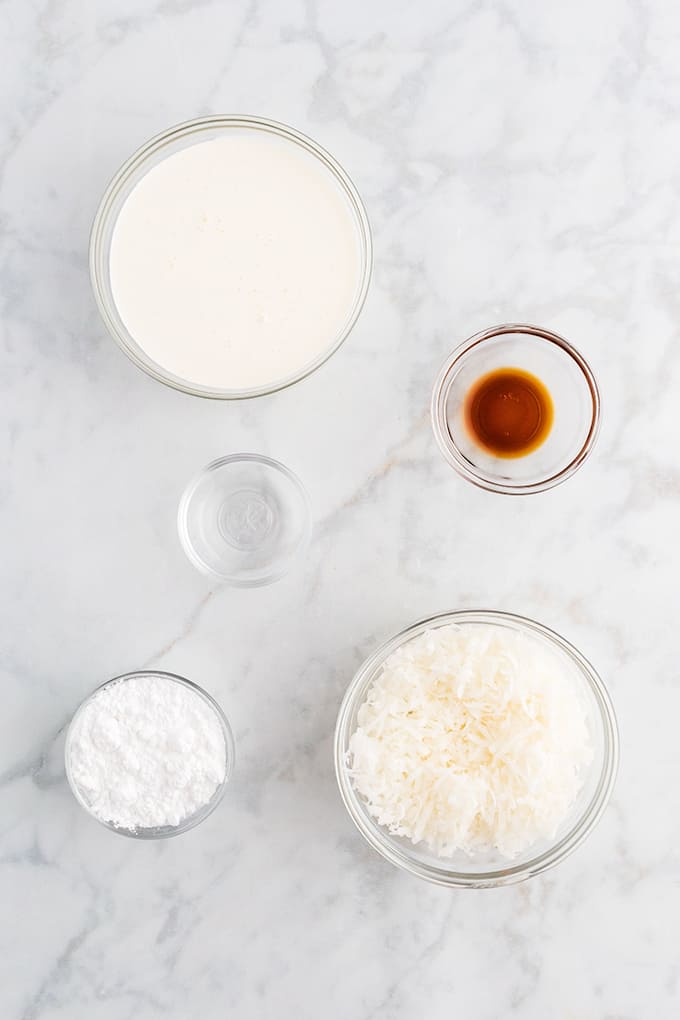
x,y
235,263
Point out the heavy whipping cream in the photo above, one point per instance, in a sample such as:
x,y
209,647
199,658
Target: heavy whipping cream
x,y
235,263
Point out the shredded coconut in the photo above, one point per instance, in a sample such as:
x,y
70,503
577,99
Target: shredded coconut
x,y
147,751
471,738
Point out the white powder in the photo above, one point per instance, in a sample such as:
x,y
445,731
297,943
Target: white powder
x,y
146,751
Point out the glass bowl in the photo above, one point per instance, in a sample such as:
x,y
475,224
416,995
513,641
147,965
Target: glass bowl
x,y
244,519
570,382
157,831
489,869
148,156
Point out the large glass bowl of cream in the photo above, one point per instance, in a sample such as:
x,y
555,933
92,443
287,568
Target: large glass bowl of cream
x,y
230,256
476,749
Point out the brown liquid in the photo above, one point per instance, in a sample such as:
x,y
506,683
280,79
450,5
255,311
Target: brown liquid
x,y
509,412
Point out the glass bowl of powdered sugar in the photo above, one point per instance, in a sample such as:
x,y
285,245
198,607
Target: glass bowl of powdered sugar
x,y
149,754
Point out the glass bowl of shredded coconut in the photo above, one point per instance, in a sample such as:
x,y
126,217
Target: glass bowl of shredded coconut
x,y
476,749
149,754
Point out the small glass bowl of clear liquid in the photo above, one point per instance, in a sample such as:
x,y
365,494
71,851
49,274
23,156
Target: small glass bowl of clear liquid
x,y
244,519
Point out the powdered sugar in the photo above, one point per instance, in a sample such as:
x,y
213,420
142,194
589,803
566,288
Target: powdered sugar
x,y
146,751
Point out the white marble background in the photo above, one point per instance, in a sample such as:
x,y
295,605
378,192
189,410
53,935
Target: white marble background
x,y
519,160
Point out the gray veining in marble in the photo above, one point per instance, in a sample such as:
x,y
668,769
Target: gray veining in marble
x,y
519,160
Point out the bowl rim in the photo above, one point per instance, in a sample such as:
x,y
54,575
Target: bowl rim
x,y
98,256
384,843
450,451
157,831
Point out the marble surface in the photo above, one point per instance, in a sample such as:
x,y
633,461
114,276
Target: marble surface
x,y
519,160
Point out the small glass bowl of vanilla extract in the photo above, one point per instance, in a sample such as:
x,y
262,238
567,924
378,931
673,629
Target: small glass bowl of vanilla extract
x,y
516,409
